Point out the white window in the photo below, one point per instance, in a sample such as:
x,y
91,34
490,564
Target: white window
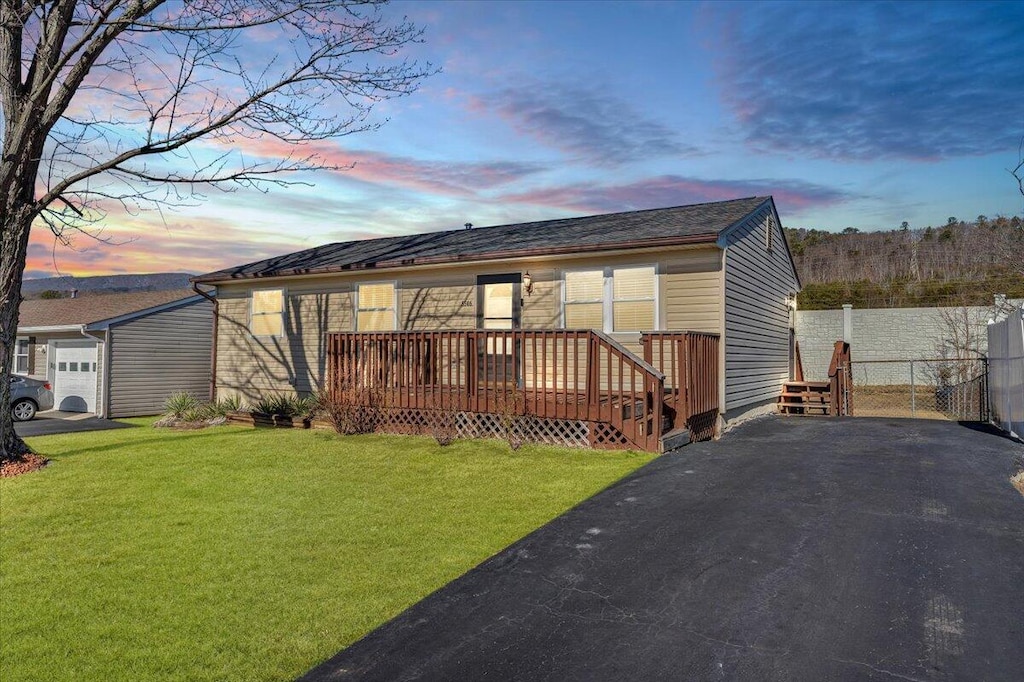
x,y
633,299
375,307
611,299
21,349
266,312
584,299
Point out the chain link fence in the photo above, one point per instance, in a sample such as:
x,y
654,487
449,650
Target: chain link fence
x,y
921,389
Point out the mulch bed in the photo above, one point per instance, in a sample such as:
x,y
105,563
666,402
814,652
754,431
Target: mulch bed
x,y
22,465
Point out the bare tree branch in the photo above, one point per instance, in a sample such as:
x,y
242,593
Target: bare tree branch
x,y
139,104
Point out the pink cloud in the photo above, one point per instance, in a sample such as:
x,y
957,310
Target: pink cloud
x,y
674,190
150,246
451,178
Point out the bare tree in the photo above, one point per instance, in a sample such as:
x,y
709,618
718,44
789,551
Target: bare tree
x,y
115,105
1010,248
1018,171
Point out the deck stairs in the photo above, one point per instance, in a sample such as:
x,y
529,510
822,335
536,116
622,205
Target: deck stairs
x,y
830,398
806,398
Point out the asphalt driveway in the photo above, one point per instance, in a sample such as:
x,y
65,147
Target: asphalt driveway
x,y
793,549
54,422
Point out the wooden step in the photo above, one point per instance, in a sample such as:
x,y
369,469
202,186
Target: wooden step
x,y
675,439
815,385
808,396
790,409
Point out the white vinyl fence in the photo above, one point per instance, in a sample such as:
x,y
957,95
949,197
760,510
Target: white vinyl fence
x,y
1006,372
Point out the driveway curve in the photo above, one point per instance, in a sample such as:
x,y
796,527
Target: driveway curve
x,y
792,549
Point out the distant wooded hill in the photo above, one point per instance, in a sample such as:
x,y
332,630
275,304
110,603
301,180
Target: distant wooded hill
x,y
59,287
959,263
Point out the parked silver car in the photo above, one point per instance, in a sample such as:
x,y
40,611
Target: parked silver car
x,y
29,396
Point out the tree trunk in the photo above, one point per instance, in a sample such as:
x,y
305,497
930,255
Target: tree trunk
x,y
14,231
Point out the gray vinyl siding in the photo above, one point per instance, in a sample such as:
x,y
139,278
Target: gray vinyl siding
x,y
154,356
757,318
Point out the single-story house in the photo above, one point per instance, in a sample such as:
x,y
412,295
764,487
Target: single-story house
x,y
720,268
554,309
117,355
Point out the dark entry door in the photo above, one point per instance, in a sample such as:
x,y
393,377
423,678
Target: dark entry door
x,y
499,306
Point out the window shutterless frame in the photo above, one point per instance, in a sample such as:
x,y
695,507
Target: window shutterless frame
x,y
21,355
393,307
652,299
608,299
281,313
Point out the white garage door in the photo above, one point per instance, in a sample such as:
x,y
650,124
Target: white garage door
x,y
74,376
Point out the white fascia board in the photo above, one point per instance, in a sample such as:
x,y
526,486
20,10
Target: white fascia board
x,y
76,328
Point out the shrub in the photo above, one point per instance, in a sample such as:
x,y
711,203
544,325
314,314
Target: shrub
x,y
511,405
289,405
223,406
308,406
352,409
181,404
444,420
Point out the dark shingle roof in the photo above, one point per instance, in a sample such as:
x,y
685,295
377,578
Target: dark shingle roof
x,y
681,224
87,309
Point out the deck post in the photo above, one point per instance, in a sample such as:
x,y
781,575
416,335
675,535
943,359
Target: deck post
x,y
593,375
471,368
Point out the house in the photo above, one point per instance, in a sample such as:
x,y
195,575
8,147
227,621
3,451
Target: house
x,y
630,280
117,355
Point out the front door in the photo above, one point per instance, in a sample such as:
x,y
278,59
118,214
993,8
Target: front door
x,y
499,306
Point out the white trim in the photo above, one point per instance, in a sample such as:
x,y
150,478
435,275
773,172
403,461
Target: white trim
x,y
103,365
284,310
611,294
51,356
603,300
394,303
74,328
15,355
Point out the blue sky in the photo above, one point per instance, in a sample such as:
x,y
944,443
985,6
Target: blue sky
x,y
859,115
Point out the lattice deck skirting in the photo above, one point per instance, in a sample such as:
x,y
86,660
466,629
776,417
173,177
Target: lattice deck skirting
x,y
571,433
567,432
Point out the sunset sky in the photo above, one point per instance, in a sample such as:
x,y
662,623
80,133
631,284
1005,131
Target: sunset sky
x,y
859,115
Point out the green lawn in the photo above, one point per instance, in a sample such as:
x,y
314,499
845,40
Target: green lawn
x,y
241,554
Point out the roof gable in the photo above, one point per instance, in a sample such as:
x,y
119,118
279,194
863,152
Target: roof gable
x,y
662,226
86,309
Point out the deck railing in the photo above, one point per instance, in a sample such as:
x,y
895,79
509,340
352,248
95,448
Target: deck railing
x,y
689,361
840,377
580,375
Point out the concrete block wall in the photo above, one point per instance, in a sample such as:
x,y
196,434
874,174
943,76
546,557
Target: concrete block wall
x,y
881,334
817,332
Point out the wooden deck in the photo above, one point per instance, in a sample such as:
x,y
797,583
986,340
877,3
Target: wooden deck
x,y
544,380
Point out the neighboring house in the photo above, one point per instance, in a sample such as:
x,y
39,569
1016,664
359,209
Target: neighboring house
x,y
117,355
721,267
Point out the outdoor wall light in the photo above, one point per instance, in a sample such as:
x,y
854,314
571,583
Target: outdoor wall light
x,y
528,283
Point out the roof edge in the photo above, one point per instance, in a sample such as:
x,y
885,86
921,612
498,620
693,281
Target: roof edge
x,y
106,323
39,329
706,238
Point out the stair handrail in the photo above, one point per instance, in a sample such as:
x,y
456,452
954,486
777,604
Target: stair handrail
x,y
646,366
840,376
653,381
798,363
